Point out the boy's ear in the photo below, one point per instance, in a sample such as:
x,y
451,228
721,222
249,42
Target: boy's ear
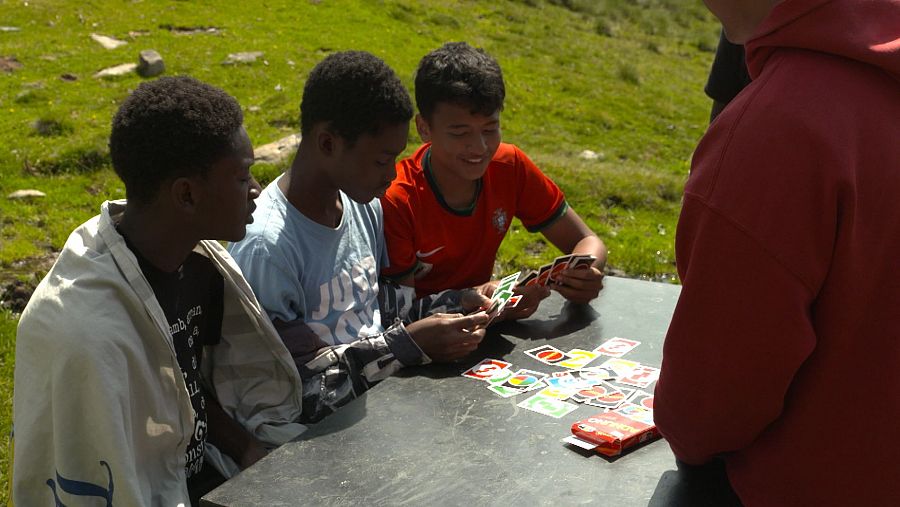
x,y
181,193
325,141
423,128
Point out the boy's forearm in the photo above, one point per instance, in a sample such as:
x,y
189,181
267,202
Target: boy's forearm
x,y
230,437
592,245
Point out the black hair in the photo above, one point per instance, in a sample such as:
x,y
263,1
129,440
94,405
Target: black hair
x,y
355,92
460,74
170,128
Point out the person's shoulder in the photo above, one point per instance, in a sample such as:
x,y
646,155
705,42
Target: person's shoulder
x,y
507,155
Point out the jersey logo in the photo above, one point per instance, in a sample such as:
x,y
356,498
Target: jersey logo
x,y
420,254
499,220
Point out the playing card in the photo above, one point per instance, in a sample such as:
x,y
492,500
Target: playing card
x,y
531,275
548,354
636,412
552,392
547,406
615,367
504,392
523,379
568,383
559,264
499,301
506,283
582,261
486,369
616,347
513,301
642,399
543,275
612,398
578,358
592,376
641,376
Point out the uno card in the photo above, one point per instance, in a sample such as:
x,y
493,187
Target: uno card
x,y
547,406
636,412
504,392
578,358
560,264
602,390
552,392
523,380
506,283
567,382
486,369
593,377
499,301
499,377
642,399
616,347
611,399
641,376
582,262
616,367
543,275
531,275
548,354
513,301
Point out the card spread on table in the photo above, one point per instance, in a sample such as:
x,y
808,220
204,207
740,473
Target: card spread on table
x,y
636,412
524,379
641,376
616,347
548,406
548,354
578,358
642,398
615,367
486,369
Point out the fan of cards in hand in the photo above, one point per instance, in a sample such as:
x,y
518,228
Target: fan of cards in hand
x,y
546,274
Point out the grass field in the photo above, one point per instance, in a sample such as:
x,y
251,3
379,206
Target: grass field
x,y
622,78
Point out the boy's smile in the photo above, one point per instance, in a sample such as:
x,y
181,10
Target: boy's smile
x,y
462,143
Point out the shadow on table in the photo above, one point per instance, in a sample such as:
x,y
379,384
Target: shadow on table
x,y
570,319
705,486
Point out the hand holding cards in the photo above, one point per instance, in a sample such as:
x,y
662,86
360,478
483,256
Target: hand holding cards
x,y
548,273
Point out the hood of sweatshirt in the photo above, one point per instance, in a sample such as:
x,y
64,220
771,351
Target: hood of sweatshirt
x,y
867,31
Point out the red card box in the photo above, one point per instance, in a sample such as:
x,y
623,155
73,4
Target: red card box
x,y
613,433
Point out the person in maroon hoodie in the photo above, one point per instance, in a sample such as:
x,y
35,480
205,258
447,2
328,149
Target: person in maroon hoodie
x,y
783,356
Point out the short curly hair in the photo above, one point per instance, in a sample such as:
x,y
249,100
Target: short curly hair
x,y
459,74
170,128
354,92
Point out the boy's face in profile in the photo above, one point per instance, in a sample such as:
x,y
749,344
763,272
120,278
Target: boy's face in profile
x,y
366,169
462,143
226,192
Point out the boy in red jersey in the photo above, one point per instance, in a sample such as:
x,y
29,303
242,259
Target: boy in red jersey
x,y
453,200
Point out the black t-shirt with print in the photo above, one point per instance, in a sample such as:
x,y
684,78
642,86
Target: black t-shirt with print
x,y
192,300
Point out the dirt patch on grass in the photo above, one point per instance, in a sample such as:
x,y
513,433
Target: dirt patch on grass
x,y
17,284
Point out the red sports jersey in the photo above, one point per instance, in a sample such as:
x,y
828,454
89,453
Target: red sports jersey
x,y
454,249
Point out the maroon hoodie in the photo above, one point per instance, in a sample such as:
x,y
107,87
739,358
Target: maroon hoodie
x,y
783,355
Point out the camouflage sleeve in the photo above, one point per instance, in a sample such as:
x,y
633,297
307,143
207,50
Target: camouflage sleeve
x,y
338,374
400,302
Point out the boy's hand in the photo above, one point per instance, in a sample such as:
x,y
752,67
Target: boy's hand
x,y
531,298
579,285
447,337
254,452
478,297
